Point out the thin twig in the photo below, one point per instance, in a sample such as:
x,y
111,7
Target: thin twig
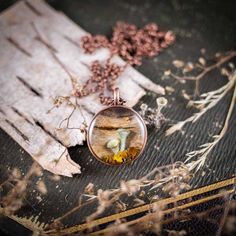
x,y
208,68
205,70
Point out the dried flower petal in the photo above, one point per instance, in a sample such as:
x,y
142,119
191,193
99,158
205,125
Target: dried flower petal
x,y
167,72
89,189
224,72
202,61
188,67
16,173
41,187
130,187
178,63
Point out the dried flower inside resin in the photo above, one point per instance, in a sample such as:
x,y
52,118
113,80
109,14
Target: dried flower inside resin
x,y
117,135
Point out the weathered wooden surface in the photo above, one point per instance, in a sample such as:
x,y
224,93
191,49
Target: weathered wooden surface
x,y
31,78
198,24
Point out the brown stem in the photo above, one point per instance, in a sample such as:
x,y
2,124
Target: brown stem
x,y
217,64
205,71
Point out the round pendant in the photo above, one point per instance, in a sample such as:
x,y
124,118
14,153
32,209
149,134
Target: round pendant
x,y
117,135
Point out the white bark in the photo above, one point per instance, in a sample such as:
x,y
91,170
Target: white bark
x,y
30,78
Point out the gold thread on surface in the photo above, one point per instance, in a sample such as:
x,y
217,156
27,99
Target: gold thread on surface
x,y
144,208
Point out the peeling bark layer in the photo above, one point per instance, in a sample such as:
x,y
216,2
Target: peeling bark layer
x,y
31,77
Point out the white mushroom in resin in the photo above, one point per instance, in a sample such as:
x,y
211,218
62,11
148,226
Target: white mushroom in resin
x,y
113,144
123,133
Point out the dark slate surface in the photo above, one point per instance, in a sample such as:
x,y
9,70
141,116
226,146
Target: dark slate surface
x,y
197,24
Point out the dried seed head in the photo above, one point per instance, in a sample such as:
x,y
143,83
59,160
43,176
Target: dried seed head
x,y
89,189
178,63
42,187
130,187
16,173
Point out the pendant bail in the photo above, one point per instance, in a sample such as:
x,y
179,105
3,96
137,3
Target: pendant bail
x,y
116,96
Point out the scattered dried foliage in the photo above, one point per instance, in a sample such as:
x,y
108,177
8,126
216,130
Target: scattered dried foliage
x,y
14,189
206,102
227,225
202,153
171,180
201,68
132,44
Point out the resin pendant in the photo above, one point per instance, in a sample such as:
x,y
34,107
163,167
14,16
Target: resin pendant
x,y
117,134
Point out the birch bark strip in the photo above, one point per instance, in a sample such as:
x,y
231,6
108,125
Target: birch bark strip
x,y
30,78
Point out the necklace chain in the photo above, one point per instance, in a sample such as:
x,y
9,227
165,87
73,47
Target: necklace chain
x,y
130,43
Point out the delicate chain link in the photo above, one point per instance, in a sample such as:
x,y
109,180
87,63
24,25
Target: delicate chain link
x,y
116,100
130,43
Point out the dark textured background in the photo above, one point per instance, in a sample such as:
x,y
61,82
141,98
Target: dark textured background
x,y
197,24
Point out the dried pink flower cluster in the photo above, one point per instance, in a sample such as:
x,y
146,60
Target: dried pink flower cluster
x,y
130,42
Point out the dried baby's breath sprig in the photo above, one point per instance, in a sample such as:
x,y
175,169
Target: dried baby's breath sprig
x,y
105,199
151,222
154,116
228,222
138,202
208,101
55,178
130,187
120,206
15,174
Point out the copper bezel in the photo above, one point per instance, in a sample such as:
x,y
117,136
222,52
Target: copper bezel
x,y
89,135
